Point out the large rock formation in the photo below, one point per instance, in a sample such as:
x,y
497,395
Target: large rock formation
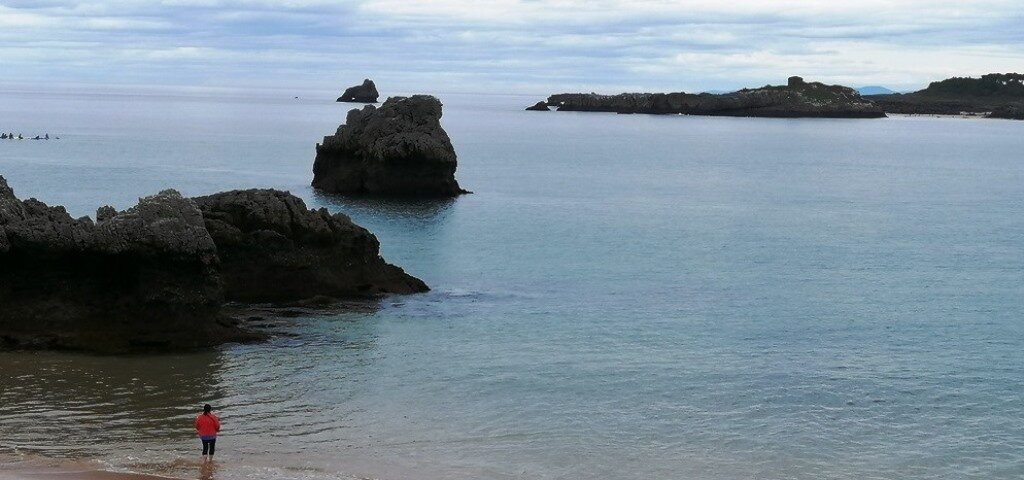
x,y
364,93
155,276
273,249
796,99
996,95
143,278
397,149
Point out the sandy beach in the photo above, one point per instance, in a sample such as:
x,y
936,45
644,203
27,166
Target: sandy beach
x,y
34,467
57,474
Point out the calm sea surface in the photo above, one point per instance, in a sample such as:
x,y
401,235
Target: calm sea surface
x,y
624,297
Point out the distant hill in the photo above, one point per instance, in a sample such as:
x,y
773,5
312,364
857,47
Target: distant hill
x,y
997,95
1007,85
874,90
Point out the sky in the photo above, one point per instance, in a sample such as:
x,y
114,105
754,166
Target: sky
x,y
504,46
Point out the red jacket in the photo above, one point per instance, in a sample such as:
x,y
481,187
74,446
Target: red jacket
x,y
207,425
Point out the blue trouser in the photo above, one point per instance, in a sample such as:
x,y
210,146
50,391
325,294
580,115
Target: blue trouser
x,y
209,443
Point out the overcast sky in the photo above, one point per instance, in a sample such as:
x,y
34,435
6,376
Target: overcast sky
x,y
524,46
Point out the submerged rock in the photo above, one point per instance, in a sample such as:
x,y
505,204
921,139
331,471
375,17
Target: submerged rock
x,y
397,149
364,93
273,249
796,99
143,278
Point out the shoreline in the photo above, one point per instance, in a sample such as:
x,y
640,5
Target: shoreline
x,y
966,116
36,467
59,473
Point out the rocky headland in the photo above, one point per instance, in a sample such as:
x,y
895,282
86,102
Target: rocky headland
x,y
795,99
996,95
363,93
156,276
397,149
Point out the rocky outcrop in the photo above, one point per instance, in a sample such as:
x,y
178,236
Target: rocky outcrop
x,y
155,276
273,249
796,99
1008,112
364,93
539,107
396,149
996,95
143,278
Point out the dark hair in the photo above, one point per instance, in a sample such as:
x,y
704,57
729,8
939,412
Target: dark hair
x,y
206,409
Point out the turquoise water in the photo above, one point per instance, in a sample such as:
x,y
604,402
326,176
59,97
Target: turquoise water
x,y
624,296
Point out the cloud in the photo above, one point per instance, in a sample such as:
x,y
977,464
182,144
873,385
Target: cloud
x,y
505,45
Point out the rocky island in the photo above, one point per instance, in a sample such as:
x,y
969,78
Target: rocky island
x,y
155,276
996,95
364,93
397,149
795,99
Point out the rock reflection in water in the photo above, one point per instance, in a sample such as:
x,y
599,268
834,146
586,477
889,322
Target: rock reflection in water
x,y
404,207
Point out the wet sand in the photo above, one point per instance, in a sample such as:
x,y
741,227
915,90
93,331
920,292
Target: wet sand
x,y
32,466
41,474
39,468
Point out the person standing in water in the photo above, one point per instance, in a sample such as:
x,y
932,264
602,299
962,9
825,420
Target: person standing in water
x,y
207,426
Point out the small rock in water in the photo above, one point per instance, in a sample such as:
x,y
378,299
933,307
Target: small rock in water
x,y
540,106
364,93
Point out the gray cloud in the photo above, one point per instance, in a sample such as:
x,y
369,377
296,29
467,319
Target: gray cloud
x,y
505,45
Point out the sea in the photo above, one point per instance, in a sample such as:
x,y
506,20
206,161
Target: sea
x,y
621,297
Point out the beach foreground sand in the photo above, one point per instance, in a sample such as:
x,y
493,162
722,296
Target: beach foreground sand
x,y
41,474
38,468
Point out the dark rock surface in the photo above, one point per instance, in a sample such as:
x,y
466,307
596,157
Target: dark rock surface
x,y
155,277
996,95
796,99
144,278
273,249
1009,112
364,93
539,107
396,149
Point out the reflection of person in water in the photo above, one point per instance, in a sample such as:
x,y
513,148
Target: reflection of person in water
x,y
207,426
207,470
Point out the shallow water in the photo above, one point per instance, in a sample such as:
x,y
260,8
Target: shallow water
x,y
624,296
